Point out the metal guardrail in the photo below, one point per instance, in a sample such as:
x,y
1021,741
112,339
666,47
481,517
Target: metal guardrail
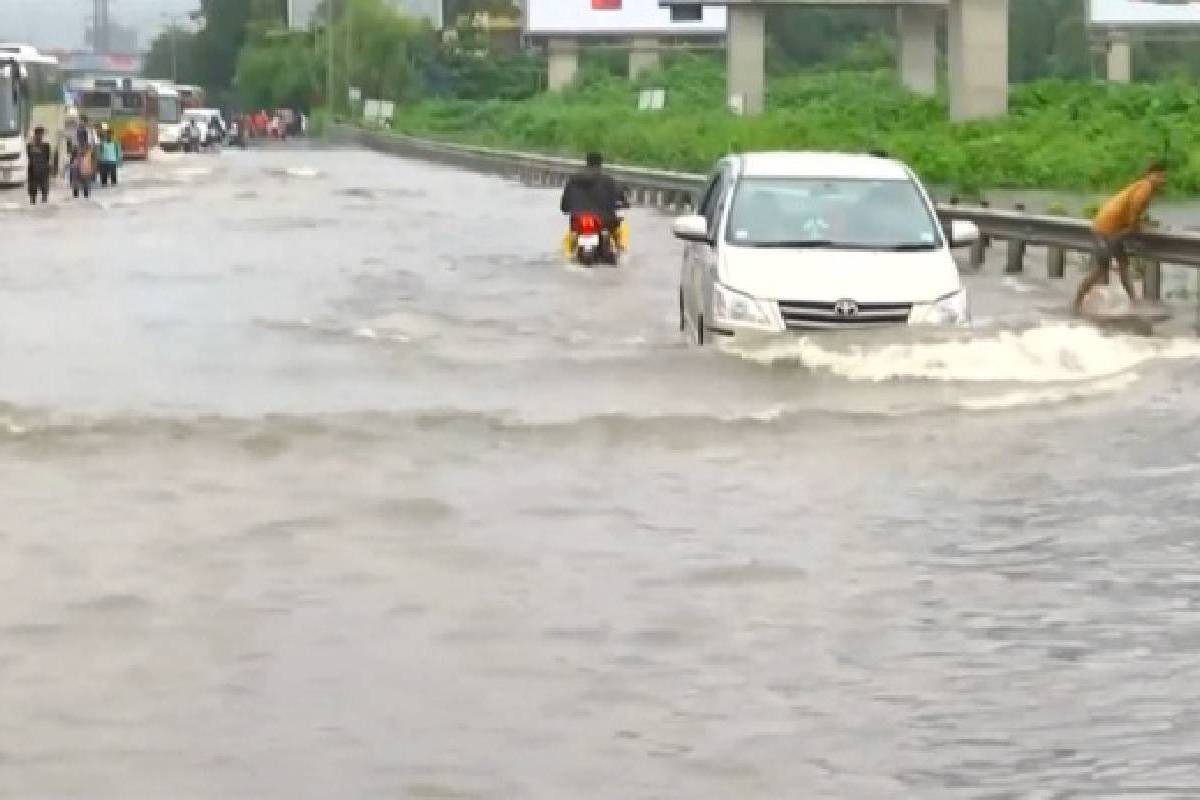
x,y
678,191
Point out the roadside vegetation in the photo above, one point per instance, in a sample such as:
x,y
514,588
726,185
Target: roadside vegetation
x,y
1060,134
831,87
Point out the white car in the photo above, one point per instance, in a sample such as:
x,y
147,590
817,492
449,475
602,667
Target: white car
x,y
796,242
203,118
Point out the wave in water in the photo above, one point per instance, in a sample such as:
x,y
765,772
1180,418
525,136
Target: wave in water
x,y
1055,353
272,433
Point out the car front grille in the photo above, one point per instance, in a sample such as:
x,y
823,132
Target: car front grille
x,y
800,316
9,156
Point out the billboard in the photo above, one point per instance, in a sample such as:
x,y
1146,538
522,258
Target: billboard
x,y
1143,13
615,17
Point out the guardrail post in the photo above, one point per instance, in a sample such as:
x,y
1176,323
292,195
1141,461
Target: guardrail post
x,y
1056,262
1152,280
979,251
1016,257
1016,252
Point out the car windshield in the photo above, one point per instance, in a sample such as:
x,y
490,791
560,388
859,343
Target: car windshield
x,y
10,117
129,104
96,101
168,110
833,213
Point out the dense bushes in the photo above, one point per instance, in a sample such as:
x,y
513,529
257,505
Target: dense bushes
x,y
1064,134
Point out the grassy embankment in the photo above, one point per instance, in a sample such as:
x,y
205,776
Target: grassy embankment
x,y
1058,135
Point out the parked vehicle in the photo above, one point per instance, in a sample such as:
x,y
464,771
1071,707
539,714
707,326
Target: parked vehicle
x,y
802,242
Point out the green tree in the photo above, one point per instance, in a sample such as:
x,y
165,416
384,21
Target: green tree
x,y
389,52
172,56
281,73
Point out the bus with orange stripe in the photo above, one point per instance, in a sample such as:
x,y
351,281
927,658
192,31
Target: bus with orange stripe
x,y
126,106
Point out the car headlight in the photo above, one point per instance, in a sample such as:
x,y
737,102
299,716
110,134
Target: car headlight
x,y
953,309
732,306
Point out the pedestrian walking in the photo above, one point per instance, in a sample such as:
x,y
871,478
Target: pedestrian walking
x,y
83,170
38,176
110,158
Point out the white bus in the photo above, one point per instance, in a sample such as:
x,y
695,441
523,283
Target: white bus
x,y
166,103
31,96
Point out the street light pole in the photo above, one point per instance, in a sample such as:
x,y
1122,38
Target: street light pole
x,y
173,31
348,12
329,65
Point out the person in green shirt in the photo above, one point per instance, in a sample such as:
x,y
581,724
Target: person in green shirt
x,y
110,159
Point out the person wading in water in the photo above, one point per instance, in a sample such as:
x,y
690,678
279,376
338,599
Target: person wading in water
x,y
1117,220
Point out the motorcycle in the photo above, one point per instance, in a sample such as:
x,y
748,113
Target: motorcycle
x,y
589,242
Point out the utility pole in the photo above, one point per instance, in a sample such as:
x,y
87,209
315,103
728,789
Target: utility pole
x,y
348,12
329,65
174,50
173,24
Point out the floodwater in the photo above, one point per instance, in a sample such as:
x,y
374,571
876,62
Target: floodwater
x,y
322,476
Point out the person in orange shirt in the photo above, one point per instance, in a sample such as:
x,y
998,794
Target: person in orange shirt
x,y
1117,220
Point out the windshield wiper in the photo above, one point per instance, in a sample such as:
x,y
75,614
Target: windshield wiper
x,y
799,244
828,244
910,247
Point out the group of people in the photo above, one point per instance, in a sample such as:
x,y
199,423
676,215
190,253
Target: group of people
x,y
278,125
92,152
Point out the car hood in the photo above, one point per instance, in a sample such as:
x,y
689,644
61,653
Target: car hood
x,y
826,276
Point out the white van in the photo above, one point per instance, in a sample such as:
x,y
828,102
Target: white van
x,y
203,117
797,242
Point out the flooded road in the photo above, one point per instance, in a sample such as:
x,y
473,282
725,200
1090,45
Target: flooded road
x,y
322,476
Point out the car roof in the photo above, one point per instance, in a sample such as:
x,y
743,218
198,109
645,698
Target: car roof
x,y
821,165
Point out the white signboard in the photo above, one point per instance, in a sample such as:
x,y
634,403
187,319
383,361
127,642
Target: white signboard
x,y
612,17
1134,13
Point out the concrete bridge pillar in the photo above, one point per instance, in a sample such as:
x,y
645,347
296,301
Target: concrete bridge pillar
x,y
1120,58
562,62
917,26
644,56
746,53
978,58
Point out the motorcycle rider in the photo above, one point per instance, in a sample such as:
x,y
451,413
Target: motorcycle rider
x,y
594,190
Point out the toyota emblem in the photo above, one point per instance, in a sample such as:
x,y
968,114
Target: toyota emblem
x,y
845,308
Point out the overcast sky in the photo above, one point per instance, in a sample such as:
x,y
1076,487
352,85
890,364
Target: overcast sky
x,y
61,23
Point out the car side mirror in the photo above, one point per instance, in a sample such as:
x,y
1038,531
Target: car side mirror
x,y
963,233
692,228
